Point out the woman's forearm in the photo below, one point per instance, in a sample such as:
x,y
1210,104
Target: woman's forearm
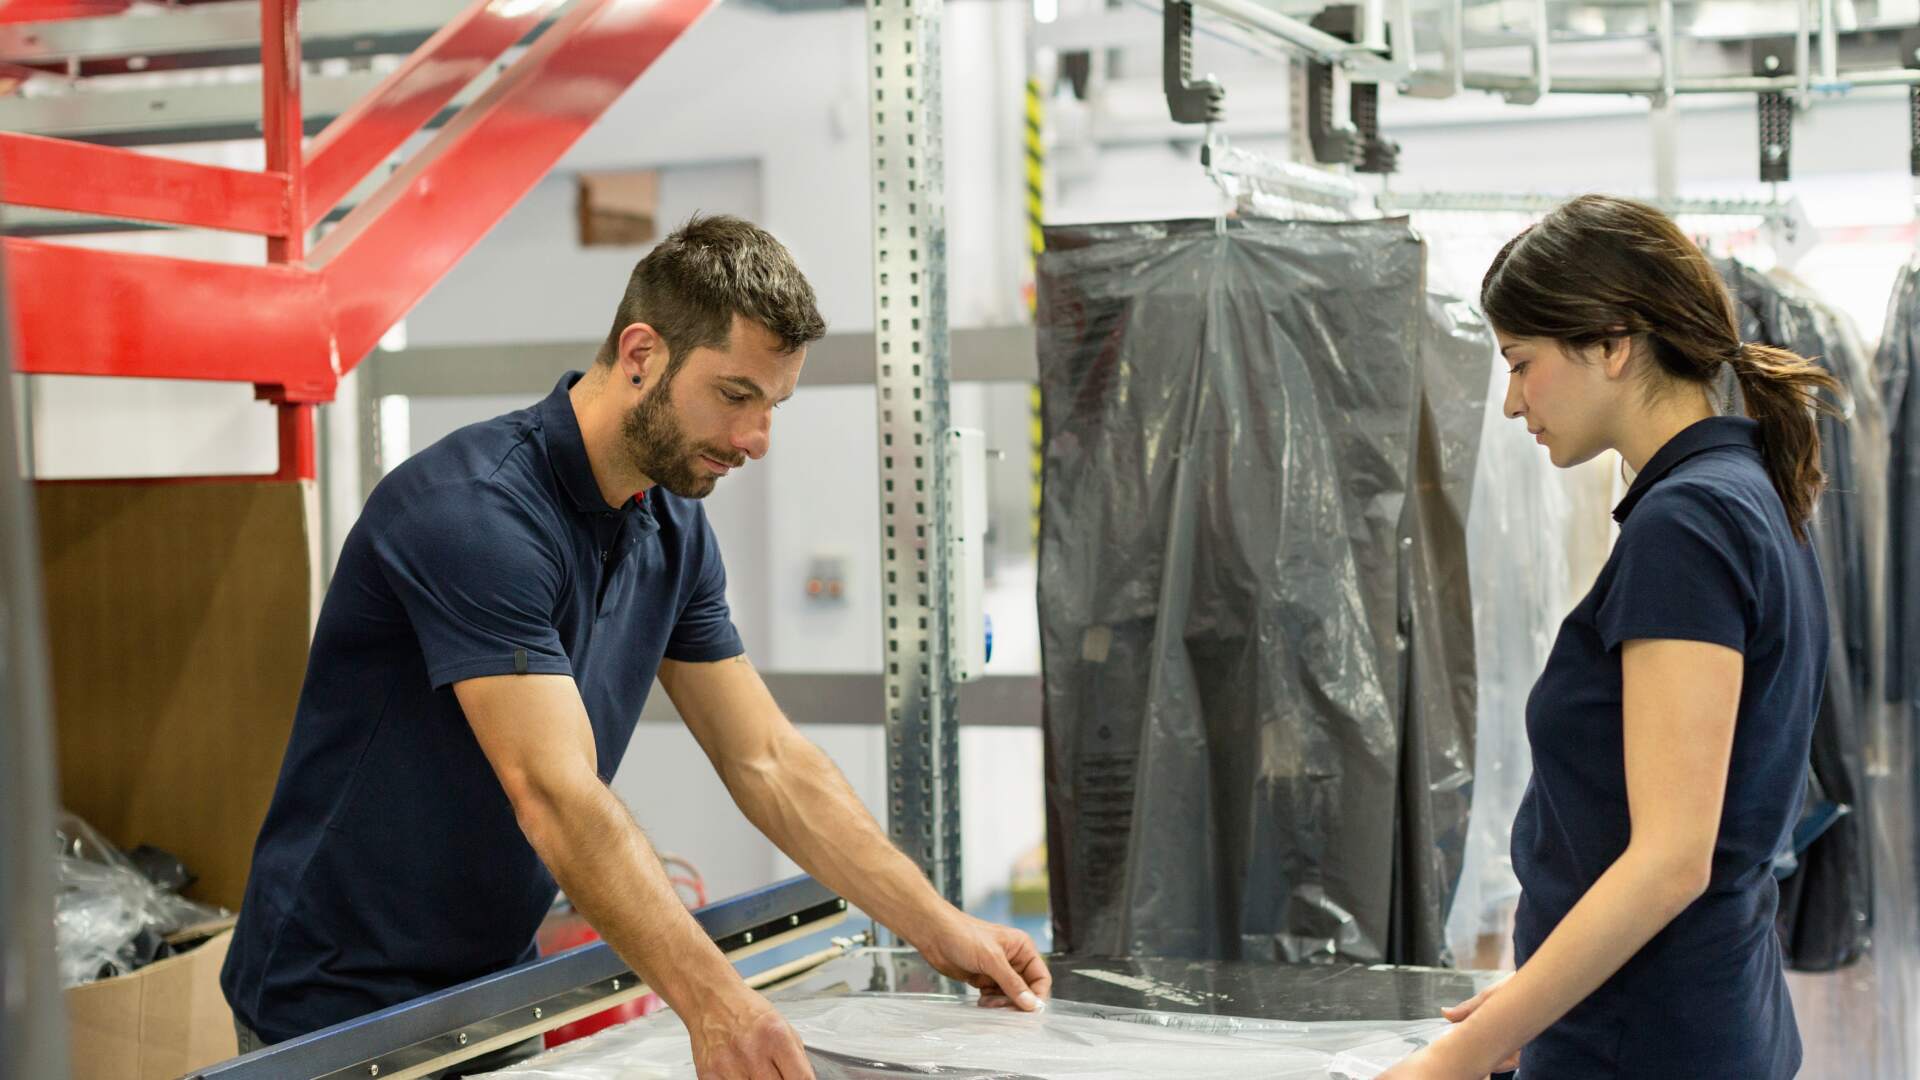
x,y
1643,891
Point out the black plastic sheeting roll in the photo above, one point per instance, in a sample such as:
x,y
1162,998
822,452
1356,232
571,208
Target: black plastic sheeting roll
x,y
1257,636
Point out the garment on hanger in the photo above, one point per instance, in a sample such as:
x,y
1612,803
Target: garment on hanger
x,y
1899,370
1254,613
1826,908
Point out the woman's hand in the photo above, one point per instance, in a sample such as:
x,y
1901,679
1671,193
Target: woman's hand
x,y
1441,1060
1458,1014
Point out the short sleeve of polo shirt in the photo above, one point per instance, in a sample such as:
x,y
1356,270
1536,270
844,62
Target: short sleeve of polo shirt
x,y
705,632
479,577
1684,573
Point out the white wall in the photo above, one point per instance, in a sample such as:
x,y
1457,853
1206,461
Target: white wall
x,y
789,93
530,280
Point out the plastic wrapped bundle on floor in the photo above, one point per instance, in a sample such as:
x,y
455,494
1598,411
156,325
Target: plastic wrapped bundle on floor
x,y
863,1036
1255,625
108,917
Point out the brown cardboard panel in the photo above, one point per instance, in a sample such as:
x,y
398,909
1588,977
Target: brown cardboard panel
x,y
157,1023
178,622
619,209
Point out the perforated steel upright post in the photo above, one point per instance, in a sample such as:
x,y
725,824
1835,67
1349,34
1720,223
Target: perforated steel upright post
x,y
910,321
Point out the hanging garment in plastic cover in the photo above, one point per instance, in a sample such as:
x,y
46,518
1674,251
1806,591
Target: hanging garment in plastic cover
x,y
1536,537
1826,902
1258,648
1872,1012
1899,371
1858,1022
862,1036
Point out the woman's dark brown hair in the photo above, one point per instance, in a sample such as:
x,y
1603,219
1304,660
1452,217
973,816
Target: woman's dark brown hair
x,y
1599,268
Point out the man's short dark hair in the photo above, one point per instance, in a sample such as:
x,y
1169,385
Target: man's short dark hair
x,y
714,267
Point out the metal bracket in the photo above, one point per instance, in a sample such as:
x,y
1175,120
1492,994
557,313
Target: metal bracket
x,y
1076,68
1377,154
1773,58
1776,136
1334,143
1189,101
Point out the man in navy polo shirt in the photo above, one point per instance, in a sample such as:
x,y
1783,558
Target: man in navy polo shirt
x,y
497,617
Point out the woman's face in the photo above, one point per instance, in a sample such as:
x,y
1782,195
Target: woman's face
x,y
1563,396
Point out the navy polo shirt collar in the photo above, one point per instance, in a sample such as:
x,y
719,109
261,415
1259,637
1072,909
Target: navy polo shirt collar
x,y
1701,436
567,448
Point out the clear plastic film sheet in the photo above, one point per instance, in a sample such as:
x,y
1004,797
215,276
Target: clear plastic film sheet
x,y
1536,537
1260,438
866,1036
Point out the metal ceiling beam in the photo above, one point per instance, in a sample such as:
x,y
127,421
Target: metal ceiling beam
x,y
219,34
157,116
1653,85
987,354
174,114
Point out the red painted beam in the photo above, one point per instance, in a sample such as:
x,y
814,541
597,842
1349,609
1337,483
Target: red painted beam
x,y
384,256
280,128
358,140
59,174
286,327
299,456
19,11
79,311
280,119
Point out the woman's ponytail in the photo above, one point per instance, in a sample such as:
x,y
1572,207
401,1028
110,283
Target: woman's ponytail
x,y
1782,392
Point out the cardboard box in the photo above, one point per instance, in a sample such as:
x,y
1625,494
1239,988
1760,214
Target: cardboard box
x,y
158,1023
178,617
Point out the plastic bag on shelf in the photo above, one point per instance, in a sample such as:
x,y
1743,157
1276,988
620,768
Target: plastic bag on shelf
x,y
108,918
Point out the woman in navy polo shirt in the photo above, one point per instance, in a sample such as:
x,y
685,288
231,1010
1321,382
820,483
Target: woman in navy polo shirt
x,y
1670,727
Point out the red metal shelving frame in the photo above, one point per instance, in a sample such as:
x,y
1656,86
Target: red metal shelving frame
x,y
297,323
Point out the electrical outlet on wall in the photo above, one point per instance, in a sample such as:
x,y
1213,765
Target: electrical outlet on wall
x,y
827,579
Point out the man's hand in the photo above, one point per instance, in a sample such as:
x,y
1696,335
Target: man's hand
x,y
1003,963
741,1037
534,730
789,789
